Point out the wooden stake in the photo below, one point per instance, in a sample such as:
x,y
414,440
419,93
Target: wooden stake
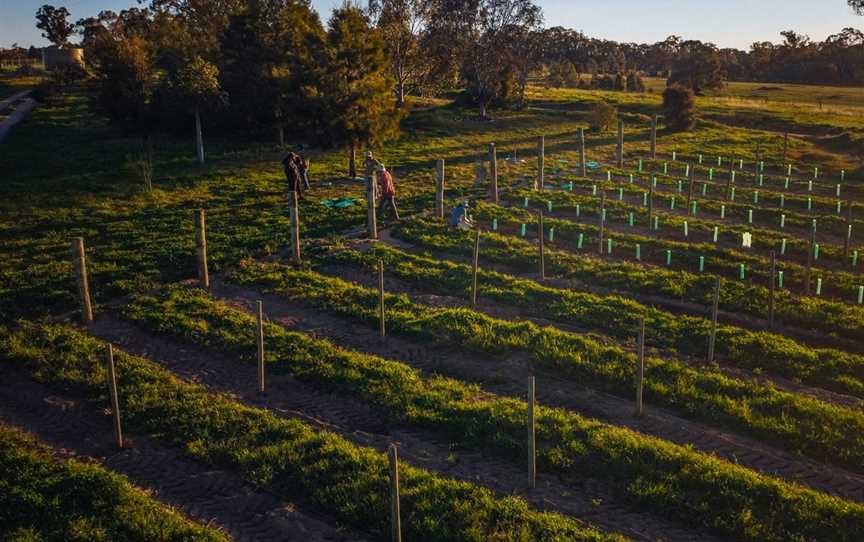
x,y
654,137
381,296
602,221
809,265
771,287
395,519
582,164
115,401
481,173
439,189
715,308
729,180
474,268
541,161
620,148
295,227
259,338
201,249
493,171
847,242
80,269
650,201
542,247
640,368
690,189
371,219
532,451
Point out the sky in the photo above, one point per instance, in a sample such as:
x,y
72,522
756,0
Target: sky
x,y
729,23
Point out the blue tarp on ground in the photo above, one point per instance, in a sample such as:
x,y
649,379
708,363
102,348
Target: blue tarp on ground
x,y
338,203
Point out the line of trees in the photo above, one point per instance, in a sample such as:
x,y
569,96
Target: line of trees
x,y
252,66
272,65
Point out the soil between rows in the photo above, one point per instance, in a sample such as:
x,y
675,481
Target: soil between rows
x,y
590,500
208,495
508,377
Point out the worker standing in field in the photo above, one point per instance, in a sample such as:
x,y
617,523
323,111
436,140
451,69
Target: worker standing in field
x,y
304,173
388,191
293,175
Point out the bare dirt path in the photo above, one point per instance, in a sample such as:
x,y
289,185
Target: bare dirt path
x,y
587,499
20,105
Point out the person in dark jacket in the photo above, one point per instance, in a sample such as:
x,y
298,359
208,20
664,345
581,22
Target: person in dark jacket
x,y
293,174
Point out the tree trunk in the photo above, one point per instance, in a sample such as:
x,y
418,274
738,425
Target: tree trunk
x,y
352,161
280,130
400,93
199,138
483,110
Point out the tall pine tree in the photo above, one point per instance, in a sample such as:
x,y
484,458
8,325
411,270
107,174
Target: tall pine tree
x,y
356,84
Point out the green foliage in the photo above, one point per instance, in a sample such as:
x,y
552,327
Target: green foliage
x,y
837,288
198,83
635,82
356,82
697,67
45,499
127,75
679,107
800,423
602,116
562,74
55,25
683,484
285,456
619,317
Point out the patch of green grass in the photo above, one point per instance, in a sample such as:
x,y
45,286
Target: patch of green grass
x,y
667,479
48,499
800,423
620,317
838,286
833,318
285,456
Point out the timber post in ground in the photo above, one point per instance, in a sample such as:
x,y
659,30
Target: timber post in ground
x,y
80,269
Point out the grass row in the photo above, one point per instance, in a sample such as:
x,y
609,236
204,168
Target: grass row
x,y
668,479
285,456
769,217
832,318
795,196
671,224
619,317
800,174
47,499
672,254
820,430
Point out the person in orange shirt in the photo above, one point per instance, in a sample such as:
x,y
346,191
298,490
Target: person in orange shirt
x,y
388,191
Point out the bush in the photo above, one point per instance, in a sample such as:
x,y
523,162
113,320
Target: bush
x,y
563,75
602,116
679,107
635,82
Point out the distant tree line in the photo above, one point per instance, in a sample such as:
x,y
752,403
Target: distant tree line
x,y
839,60
272,65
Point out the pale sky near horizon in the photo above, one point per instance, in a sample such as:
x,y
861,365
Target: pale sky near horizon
x,y
731,23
